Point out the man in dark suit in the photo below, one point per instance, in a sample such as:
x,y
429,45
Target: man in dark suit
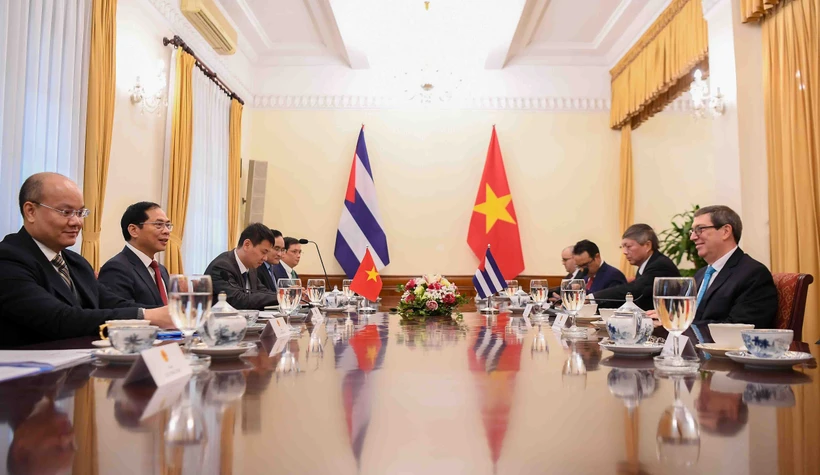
x,y
641,248
733,288
46,291
270,271
573,272
134,274
235,272
291,257
600,275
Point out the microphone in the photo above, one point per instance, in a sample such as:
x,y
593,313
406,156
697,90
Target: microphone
x,y
305,241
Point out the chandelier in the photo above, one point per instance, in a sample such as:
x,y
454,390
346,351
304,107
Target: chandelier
x,y
428,85
705,105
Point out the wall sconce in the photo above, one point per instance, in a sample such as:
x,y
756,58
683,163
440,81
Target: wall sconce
x,y
150,95
704,104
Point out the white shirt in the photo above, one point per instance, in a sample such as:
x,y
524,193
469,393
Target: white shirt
x,y
242,269
288,269
47,251
720,264
643,266
146,262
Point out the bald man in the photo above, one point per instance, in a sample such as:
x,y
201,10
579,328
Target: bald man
x,y
46,291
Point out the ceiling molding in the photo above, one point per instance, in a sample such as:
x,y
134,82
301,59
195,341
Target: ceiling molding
x,y
708,5
636,29
180,26
335,102
324,22
610,23
531,17
251,16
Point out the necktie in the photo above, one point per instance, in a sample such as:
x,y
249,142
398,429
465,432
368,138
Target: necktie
x,y
705,284
293,274
272,277
158,277
589,282
62,269
245,279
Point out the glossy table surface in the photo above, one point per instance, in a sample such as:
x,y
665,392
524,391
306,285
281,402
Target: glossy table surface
x,y
381,395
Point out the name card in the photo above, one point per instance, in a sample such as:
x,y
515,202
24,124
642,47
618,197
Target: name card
x,y
163,364
278,327
527,310
560,322
668,349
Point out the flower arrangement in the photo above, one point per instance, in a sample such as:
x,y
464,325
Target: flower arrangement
x,y
429,296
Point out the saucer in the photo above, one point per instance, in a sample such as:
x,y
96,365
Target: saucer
x,y
255,328
112,356
218,352
589,319
789,359
714,350
107,343
599,324
634,351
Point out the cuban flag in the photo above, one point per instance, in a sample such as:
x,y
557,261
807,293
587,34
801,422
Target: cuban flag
x,y
488,278
360,226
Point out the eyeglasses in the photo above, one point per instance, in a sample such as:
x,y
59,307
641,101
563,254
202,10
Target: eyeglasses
x,y
297,252
81,213
585,264
160,224
698,230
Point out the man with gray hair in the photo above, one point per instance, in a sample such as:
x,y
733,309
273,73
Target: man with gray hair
x,y
733,288
641,248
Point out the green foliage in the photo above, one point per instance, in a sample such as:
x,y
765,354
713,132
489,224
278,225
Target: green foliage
x,y
675,242
416,306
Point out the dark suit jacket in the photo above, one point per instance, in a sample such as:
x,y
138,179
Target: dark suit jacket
x,y
742,292
606,277
557,289
126,276
265,277
225,275
657,266
37,306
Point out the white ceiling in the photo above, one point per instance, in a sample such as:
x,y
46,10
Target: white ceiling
x,y
491,34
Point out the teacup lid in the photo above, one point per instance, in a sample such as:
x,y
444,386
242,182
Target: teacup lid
x,y
629,306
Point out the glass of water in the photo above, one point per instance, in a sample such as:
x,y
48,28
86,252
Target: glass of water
x,y
573,295
349,294
512,288
675,302
290,296
189,299
538,291
316,291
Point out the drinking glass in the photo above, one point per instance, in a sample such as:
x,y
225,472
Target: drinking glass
x,y
349,294
678,435
574,371
539,290
675,302
189,299
512,288
186,434
290,296
573,295
316,291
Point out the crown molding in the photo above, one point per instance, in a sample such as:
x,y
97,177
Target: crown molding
x,y
708,5
335,102
180,26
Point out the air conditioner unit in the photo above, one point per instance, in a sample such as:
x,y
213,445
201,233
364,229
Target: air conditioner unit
x,y
211,24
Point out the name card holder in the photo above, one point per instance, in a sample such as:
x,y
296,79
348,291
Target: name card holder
x,y
560,322
276,326
687,349
163,365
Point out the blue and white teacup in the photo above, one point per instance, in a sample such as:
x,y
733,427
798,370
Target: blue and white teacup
x,y
132,339
624,328
228,330
767,343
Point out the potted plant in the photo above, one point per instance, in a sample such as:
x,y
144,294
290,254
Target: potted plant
x,y
675,242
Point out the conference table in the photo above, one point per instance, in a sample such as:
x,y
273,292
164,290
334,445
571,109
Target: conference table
x,y
385,395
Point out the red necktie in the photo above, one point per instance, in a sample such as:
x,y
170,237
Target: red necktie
x,y
158,278
589,282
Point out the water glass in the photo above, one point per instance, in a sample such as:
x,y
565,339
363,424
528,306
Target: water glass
x,y
316,291
539,290
349,294
674,299
189,299
290,297
573,295
512,288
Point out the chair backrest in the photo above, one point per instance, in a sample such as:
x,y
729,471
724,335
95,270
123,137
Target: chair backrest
x,y
792,290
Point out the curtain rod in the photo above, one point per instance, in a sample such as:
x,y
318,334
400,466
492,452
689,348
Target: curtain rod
x,y
178,42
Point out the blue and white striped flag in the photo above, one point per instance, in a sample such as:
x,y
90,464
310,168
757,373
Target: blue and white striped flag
x,y
360,226
488,279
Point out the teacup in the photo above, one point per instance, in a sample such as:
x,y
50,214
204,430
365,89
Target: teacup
x,y
767,343
727,335
588,310
223,331
606,313
132,339
109,324
250,315
623,328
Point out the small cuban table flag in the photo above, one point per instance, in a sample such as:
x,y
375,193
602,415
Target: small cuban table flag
x,y
488,279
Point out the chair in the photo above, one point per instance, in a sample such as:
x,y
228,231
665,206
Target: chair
x,y
792,290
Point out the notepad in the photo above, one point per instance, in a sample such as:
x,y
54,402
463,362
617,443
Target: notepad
x,y
18,363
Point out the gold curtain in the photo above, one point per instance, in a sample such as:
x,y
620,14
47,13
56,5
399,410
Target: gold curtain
x,y
656,70
102,78
234,165
86,460
754,10
180,166
626,202
791,84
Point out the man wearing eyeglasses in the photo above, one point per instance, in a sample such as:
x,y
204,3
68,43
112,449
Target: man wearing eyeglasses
x,y
733,288
600,275
291,257
48,292
134,273
271,270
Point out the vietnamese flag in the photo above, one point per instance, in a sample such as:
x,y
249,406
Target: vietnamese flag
x,y
367,282
494,221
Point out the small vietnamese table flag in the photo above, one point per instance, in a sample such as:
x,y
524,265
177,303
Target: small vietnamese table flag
x,y
367,282
494,221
